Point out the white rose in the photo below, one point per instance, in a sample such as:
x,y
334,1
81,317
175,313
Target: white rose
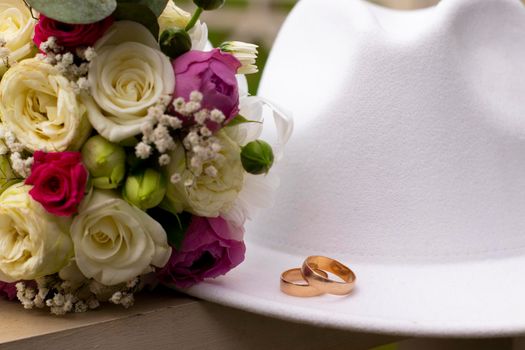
x,y
33,243
116,242
40,107
128,75
16,29
208,196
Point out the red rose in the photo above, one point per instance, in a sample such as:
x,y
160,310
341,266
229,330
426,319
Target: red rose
x,y
70,36
59,181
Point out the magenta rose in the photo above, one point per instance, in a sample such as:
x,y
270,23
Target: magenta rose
x,y
59,181
8,290
211,247
70,36
213,74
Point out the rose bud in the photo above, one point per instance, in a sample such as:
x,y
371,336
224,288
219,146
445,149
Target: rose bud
x,y
175,42
209,5
105,161
173,16
257,157
145,189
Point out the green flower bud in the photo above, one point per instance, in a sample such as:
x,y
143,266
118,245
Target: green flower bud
x,y
7,176
175,42
145,189
209,5
105,161
257,157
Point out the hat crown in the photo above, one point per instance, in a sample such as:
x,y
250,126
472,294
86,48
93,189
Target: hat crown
x,y
410,131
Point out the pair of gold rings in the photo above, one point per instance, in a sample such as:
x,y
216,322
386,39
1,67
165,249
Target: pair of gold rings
x,y
312,278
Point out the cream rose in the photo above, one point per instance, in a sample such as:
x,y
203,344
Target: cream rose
x,y
16,29
33,243
41,108
129,75
116,242
208,196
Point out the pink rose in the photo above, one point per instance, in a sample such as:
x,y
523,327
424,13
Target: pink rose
x,y
211,247
70,36
59,181
213,74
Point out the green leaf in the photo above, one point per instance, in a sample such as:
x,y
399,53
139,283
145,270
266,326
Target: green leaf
x,y
238,120
129,142
175,225
138,13
75,11
157,6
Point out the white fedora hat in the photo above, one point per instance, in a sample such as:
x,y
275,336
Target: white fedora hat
x,y
407,164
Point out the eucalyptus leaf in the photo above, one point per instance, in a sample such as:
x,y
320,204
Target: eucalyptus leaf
x,y
157,6
75,11
138,13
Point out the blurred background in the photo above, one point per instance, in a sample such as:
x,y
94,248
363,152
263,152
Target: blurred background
x,y
258,21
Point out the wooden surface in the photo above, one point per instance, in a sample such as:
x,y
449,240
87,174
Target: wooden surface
x,y
166,320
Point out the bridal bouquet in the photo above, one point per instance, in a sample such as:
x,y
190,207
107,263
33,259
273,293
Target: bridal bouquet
x,y
129,150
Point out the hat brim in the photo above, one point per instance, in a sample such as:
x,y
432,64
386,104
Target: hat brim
x,y
468,299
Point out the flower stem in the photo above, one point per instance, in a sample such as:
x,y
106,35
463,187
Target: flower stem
x,y
194,19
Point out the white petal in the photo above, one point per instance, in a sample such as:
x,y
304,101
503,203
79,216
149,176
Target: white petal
x,y
243,85
107,126
199,37
258,193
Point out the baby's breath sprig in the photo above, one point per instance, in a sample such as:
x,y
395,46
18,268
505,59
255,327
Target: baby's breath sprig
x,y
164,133
157,132
75,69
200,144
21,162
62,297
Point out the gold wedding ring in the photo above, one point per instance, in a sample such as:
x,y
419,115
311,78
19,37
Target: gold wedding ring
x,y
311,272
293,283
